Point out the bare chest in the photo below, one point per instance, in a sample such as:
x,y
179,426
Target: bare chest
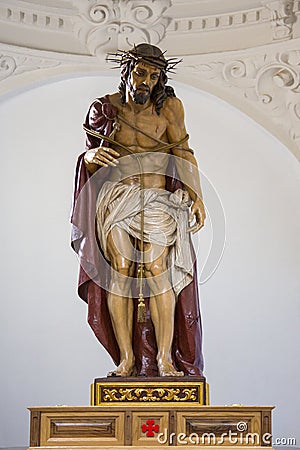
x,y
140,131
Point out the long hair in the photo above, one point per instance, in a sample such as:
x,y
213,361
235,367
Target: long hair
x,y
160,91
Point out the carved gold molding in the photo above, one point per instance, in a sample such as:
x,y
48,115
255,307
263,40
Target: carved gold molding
x,y
149,395
142,392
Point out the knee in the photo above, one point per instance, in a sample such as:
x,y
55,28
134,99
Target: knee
x,y
155,269
157,278
122,265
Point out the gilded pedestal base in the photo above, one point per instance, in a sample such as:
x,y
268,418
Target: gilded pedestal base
x,y
172,391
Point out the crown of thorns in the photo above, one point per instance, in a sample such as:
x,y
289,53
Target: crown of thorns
x,y
122,57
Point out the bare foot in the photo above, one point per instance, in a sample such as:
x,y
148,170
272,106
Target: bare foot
x,y
166,369
125,369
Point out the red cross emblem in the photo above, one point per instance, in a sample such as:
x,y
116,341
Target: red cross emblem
x,y
150,428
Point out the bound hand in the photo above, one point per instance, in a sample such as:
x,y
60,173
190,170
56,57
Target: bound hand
x,y
101,156
197,212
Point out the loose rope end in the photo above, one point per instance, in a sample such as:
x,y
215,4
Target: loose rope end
x,y
141,310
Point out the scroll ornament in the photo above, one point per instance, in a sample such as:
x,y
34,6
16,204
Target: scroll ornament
x,y
269,82
106,26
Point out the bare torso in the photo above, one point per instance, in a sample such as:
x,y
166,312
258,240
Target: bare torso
x,y
153,165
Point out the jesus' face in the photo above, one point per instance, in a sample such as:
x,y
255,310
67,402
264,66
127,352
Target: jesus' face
x,y
142,81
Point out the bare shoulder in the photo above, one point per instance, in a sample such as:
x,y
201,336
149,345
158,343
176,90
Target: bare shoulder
x,y
115,99
174,115
173,108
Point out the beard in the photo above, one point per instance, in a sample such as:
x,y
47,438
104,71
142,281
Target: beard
x,y
140,94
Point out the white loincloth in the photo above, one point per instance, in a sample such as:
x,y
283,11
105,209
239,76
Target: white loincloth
x,y
165,223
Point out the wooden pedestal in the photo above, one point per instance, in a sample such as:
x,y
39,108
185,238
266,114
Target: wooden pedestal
x,y
152,425
150,412
146,391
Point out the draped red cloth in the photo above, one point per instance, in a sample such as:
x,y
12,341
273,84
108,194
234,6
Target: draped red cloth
x,y
94,270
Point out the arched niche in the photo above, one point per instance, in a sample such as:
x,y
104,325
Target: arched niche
x,y
249,305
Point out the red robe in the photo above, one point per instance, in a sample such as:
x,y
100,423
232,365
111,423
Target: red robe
x,y
94,273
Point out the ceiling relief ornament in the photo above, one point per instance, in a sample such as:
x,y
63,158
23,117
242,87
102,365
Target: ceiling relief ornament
x,y
7,66
268,82
282,18
248,57
20,66
12,64
107,26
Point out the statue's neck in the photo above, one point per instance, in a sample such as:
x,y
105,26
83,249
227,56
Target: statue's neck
x,y
135,107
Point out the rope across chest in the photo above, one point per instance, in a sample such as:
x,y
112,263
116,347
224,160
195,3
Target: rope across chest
x,y
161,148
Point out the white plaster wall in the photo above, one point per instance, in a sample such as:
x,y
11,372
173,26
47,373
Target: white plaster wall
x,y
250,306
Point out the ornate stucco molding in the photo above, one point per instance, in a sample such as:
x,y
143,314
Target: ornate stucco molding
x,y
109,25
35,16
264,83
14,64
8,66
282,18
211,22
93,27
20,67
